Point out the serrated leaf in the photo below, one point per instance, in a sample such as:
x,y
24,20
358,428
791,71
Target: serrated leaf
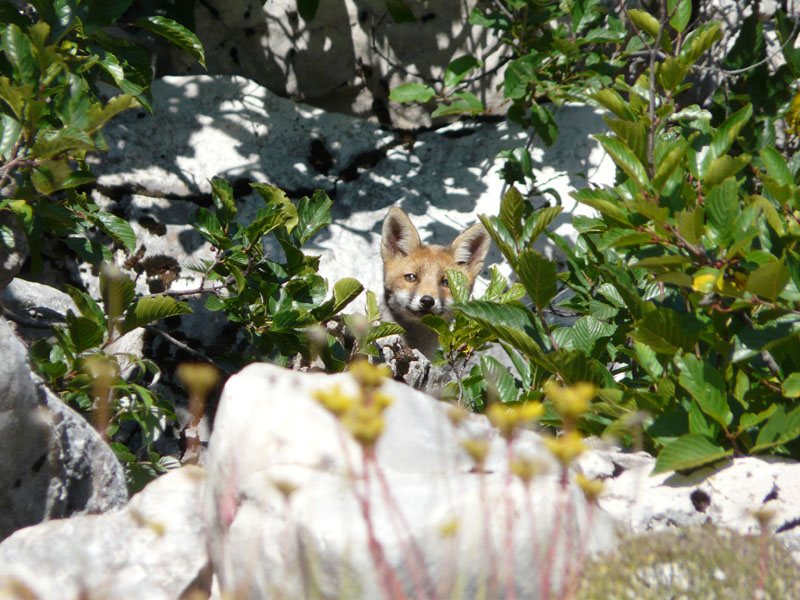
x,y
587,330
725,134
782,427
175,33
85,333
666,167
116,289
152,308
723,167
464,103
670,73
224,202
603,202
11,129
457,280
312,215
118,229
700,40
538,222
666,331
776,166
632,133
625,159
768,280
690,224
706,386
412,92
687,452
344,292
500,377
611,100
512,208
538,275
382,330
748,420
373,311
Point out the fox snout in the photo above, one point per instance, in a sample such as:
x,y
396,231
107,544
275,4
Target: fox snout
x,y
415,275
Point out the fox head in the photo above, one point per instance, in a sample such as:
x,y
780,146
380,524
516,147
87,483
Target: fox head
x,y
415,279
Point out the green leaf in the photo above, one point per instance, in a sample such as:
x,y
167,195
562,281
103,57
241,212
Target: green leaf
x,y
791,386
459,68
498,375
603,202
587,330
344,292
18,50
103,13
399,11
116,289
538,275
681,15
412,92
666,331
671,73
224,202
690,224
312,215
118,229
307,8
768,280
84,333
99,115
782,427
520,73
723,167
611,100
625,159
465,102
632,133
699,41
644,21
706,386
175,33
382,330
373,311
776,166
725,134
152,308
538,222
512,209
458,283
687,452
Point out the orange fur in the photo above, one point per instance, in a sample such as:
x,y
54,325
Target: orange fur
x,y
415,281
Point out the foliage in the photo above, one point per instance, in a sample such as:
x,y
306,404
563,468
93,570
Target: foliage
x,y
281,306
697,563
680,299
54,60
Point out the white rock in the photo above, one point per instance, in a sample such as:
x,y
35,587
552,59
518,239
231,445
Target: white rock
x,y
154,548
269,432
231,127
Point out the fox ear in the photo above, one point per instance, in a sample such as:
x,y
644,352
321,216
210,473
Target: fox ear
x,y
470,248
400,237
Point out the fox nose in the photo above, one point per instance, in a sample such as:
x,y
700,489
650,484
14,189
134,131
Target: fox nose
x,y
427,302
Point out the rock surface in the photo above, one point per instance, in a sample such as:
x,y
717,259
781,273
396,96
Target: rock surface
x,y
52,462
287,500
157,171
154,548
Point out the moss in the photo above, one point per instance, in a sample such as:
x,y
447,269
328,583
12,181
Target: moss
x,y
700,563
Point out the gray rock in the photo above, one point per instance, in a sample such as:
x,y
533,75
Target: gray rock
x,y
154,548
54,464
287,503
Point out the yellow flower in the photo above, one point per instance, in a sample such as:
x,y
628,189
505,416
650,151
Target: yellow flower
x,y
592,488
526,469
199,378
449,528
477,448
365,424
566,447
335,400
572,401
368,375
506,417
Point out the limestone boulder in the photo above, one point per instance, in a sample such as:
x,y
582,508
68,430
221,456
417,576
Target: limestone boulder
x,y
154,548
52,462
294,506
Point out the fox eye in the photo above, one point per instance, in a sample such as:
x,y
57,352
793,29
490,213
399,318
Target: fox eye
x,y
410,277
444,282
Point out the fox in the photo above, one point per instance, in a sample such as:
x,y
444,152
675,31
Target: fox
x,y
414,275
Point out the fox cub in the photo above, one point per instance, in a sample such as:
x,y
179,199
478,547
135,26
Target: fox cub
x,y
414,279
